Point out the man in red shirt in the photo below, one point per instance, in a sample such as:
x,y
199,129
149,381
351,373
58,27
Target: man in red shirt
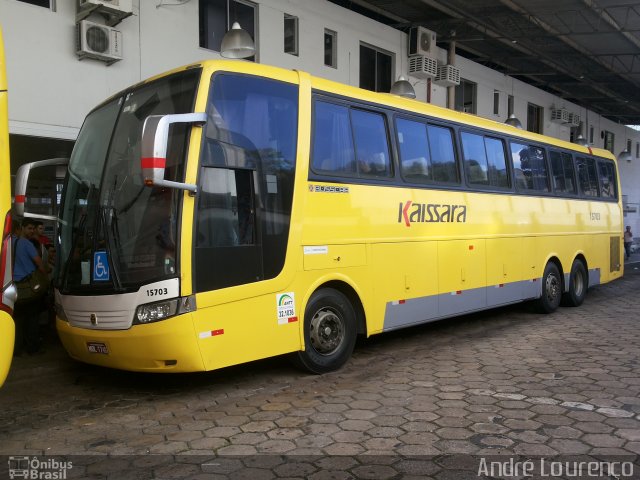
x,y
40,236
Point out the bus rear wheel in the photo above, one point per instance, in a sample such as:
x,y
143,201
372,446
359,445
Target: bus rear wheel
x,y
551,289
578,285
329,332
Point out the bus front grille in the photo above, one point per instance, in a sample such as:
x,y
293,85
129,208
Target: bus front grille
x,y
100,320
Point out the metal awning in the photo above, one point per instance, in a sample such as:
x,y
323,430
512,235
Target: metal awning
x,y
584,51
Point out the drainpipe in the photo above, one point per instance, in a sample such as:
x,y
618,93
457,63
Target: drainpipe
x,y
451,60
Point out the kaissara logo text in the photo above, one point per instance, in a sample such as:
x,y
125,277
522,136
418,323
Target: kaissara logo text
x,y
410,212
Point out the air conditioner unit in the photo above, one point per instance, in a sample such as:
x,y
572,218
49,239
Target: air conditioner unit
x,y
99,42
448,76
124,6
574,119
560,115
114,11
422,66
422,42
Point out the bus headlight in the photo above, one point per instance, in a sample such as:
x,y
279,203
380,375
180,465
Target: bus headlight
x,y
153,312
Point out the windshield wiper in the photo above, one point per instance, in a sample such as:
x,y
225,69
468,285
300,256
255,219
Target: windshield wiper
x,y
76,233
110,219
74,244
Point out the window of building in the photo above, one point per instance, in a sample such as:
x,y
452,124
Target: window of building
x,y
637,149
466,96
529,167
587,176
330,48
217,16
510,101
375,69
534,118
574,132
629,146
496,102
484,160
291,34
609,140
41,3
562,172
591,135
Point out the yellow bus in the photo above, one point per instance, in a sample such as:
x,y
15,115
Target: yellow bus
x,y
228,211
7,327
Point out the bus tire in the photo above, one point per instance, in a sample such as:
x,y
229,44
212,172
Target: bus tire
x,y
578,285
551,289
329,332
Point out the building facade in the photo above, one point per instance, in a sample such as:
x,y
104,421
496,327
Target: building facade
x,y
55,79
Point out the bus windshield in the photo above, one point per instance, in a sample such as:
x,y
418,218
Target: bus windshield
x,y
116,233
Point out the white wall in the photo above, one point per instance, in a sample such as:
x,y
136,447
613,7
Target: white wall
x,y
51,91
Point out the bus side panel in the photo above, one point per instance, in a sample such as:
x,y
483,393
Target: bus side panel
x,y
504,271
7,327
269,324
462,272
406,272
7,336
246,330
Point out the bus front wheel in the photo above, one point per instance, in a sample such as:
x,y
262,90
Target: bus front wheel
x,y
551,289
329,332
578,284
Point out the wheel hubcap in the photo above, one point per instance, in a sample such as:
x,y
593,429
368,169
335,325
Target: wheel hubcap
x,y
552,288
326,331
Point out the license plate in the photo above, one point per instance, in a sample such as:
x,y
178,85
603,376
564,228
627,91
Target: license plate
x,y
97,347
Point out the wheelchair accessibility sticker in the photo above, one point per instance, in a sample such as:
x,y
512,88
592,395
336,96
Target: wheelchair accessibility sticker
x,y
100,267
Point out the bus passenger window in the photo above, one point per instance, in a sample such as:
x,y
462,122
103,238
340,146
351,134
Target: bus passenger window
x,y
443,158
529,167
587,176
332,143
475,159
497,163
562,172
607,178
485,160
372,149
413,145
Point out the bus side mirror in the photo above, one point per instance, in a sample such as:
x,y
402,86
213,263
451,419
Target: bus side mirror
x,y
22,179
155,137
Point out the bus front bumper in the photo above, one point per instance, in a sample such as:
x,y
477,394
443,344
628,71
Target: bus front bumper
x,y
167,346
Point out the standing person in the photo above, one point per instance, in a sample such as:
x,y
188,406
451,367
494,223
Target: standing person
x,y
41,241
628,240
26,311
40,236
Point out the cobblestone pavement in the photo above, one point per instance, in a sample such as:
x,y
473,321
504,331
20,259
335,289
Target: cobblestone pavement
x,y
503,382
